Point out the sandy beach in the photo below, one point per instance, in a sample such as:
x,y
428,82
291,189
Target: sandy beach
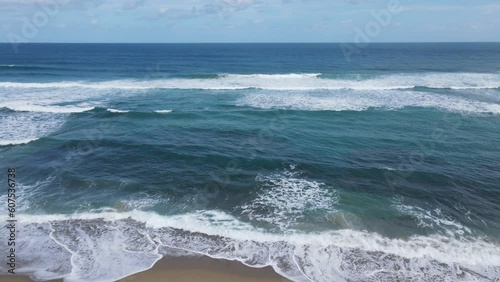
x,y
14,278
193,269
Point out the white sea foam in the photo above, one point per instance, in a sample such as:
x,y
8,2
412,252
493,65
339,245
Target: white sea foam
x,y
285,197
16,142
41,85
287,91
26,127
289,82
142,201
22,106
217,223
163,111
58,100
111,245
117,111
432,218
32,122
363,100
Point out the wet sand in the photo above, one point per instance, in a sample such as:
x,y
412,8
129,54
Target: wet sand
x,y
192,269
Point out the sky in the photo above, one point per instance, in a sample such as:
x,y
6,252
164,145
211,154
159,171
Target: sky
x,y
249,21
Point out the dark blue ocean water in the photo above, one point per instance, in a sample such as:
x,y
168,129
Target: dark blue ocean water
x,y
384,167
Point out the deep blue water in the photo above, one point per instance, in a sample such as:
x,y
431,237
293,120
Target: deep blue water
x,y
385,167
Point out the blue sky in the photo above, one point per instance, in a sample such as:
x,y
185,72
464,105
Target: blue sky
x,y
249,20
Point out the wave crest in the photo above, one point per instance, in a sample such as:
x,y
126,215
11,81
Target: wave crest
x,y
364,100
293,81
24,107
135,239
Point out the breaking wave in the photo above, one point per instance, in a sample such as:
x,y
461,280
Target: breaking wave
x,y
117,111
26,127
364,100
23,107
308,81
112,245
108,244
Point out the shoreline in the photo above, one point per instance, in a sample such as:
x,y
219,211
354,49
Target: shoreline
x,y
204,268
191,269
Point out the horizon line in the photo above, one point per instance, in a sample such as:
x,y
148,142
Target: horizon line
x,y
263,42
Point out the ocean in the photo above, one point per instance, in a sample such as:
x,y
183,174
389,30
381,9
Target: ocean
x,y
384,166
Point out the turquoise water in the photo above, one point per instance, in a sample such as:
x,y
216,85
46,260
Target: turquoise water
x,y
379,169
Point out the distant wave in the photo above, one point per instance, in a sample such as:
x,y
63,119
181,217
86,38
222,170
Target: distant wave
x,y
199,76
16,142
22,107
163,111
29,67
27,108
297,82
117,111
364,100
24,128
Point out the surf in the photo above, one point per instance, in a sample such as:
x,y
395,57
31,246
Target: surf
x,y
138,236
287,82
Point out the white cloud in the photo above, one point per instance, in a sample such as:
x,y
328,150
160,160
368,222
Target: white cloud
x,y
347,22
490,9
132,4
432,8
